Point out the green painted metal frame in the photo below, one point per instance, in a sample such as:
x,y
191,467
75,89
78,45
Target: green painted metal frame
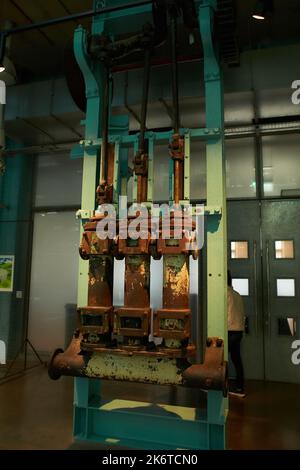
x,y
15,231
147,425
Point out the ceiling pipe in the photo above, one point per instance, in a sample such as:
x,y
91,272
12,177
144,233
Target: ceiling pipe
x,y
64,19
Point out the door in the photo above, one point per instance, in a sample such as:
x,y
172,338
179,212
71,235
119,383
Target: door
x,y
245,265
264,259
281,278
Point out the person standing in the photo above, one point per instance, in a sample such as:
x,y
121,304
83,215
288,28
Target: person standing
x,y
236,326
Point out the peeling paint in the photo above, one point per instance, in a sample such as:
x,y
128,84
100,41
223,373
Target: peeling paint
x,y
134,369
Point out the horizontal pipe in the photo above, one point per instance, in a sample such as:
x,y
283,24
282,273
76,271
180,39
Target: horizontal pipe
x,y
230,132
75,16
64,19
155,63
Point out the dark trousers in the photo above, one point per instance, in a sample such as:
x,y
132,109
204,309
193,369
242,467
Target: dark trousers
x,y
234,348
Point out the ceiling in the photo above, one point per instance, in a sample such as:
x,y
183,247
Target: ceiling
x,y
40,54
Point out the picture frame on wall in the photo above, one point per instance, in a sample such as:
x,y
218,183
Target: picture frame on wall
x,y
7,266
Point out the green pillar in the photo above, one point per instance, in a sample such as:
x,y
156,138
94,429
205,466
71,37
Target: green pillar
x,y
216,224
15,230
216,180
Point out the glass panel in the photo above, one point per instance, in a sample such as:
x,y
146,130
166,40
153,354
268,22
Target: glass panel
x,y
241,286
239,250
54,276
131,323
67,175
285,287
240,167
284,249
287,326
281,164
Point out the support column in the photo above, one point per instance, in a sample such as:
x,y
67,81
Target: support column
x,y
216,224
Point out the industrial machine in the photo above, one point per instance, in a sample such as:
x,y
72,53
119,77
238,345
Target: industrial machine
x,y
133,342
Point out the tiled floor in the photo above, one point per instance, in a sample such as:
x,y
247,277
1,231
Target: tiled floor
x,y
36,413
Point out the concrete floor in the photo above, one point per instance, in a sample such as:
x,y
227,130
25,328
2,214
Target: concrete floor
x,y
36,413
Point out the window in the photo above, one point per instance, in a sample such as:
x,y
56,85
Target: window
x,y
281,164
58,181
284,249
285,287
241,286
239,250
240,167
53,293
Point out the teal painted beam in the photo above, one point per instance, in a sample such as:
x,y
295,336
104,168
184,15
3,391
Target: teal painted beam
x,y
15,227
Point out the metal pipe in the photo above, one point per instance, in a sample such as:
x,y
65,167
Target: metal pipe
x,y
146,83
176,120
28,18
177,179
65,19
105,118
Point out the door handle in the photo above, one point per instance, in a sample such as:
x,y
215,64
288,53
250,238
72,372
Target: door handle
x,y
268,320
255,287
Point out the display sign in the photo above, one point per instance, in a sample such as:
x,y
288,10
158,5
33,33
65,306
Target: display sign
x,y
7,263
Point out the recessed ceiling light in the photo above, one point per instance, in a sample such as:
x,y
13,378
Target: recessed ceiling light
x,y
262,9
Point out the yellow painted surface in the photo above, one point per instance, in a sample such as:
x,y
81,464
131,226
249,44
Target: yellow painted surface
x,y
185,413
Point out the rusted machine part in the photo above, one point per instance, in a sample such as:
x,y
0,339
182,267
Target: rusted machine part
x,y
141,170
141,158
100,281
137,281
133,320
95,319
91,244
173,321
176,282
143,367
178,242
176,148
70,362
213,373
104,191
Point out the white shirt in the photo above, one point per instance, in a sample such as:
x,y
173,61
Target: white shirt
x,y
235,307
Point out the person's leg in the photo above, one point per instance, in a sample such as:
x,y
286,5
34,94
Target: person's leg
x,y
234,347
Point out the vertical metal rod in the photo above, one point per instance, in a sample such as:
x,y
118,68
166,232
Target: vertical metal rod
x,y
105,117
142,179
146,83
176,120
